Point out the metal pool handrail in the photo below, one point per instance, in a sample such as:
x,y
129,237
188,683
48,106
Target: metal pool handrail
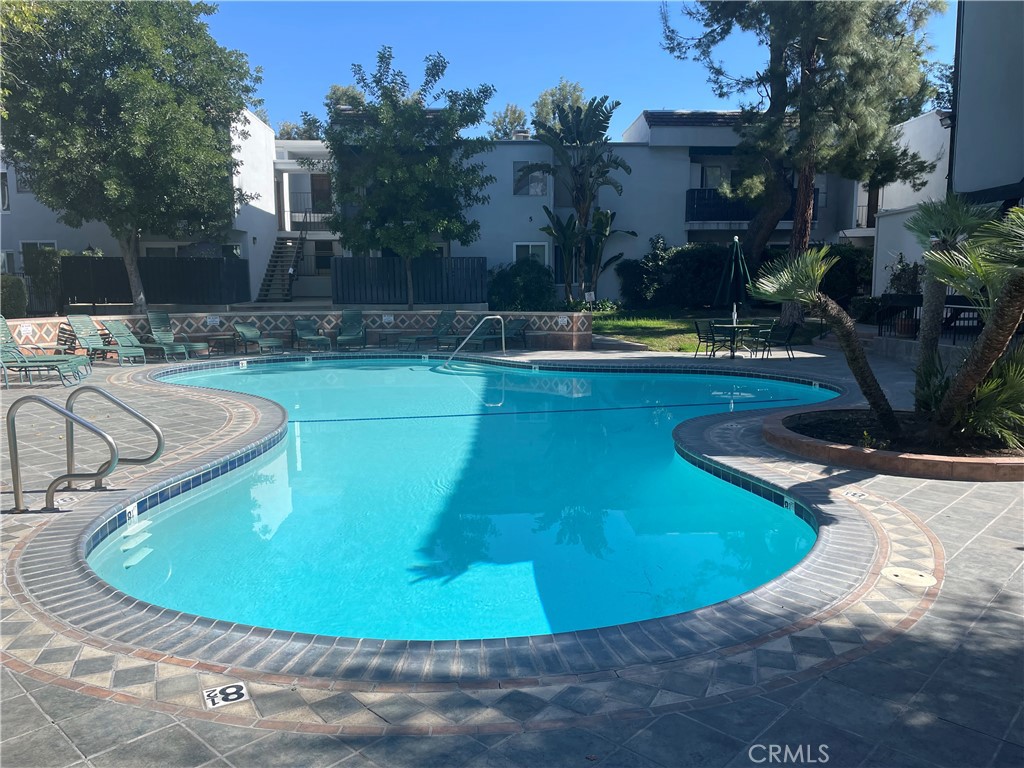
x,y
483,320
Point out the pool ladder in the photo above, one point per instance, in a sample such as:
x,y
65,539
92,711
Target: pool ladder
x,y
499,318
71,419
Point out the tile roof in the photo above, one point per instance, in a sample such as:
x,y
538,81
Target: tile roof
x,y
683,117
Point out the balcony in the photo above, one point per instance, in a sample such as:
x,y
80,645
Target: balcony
x,y
711,205
318,207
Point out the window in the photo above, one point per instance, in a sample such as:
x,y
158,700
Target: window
x,y
536,184
5,202
820,185
21,184
7,262
161,250
711,176
323,251
536,251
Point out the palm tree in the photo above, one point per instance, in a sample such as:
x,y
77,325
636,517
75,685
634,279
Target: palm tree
x,y
939,225
989,271
600,232
798,279
566,235
583,164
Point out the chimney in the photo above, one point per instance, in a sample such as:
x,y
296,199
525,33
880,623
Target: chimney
x,y
520,136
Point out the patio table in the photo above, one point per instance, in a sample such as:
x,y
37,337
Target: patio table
x,y
736,336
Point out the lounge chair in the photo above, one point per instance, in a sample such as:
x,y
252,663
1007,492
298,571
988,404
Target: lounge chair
x,y
707,338
780,337
306,332
444,331
83,334
50,353
247,334
515,330
15,361
160,327
128,345
351,332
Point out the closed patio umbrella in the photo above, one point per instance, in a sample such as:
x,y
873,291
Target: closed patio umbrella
x,y
732,288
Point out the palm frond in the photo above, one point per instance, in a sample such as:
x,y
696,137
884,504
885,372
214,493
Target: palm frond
x,y
941,224
793,278
968,269
997,410
1004,239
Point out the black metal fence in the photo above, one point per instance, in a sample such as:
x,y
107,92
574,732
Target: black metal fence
x,y
900,315
166,280
712,205
368,280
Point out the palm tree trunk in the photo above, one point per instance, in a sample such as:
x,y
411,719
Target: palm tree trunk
x,y
932,302
843,327
130,247
991,344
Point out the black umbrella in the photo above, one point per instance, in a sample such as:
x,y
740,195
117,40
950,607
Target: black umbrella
x,y
732,288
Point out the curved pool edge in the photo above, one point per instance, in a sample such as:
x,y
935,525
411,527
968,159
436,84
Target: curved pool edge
x,y
90,608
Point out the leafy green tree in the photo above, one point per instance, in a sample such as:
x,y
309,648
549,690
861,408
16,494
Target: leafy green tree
x,y
344,96
404,175
124,113
941,78
506,123
20,22
838,78
308,129
567,95
584,163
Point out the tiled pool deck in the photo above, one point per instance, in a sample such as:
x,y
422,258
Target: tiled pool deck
x,y
835,654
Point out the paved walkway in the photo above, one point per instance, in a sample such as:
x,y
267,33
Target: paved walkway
x,y
890,674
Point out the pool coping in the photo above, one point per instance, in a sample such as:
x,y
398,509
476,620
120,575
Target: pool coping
x,y
56,579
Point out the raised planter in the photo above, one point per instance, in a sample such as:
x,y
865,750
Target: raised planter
x,y
926,466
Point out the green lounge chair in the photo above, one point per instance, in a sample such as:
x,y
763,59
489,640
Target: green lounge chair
x,y
444,331
351,332
128,345
780,336
247,334
306,332
51,353
15,361
85,335
160,329
515,330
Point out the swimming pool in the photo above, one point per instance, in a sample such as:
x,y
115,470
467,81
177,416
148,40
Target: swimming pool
x,y
410,502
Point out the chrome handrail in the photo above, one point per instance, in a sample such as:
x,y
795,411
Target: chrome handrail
x,y
70,431
12,444
499,318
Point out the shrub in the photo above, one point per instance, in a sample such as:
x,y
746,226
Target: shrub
x,y
526,286
865,309
13,296
904,277
684,276
997,410
851,276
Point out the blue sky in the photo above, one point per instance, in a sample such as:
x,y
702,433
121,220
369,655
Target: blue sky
x,y
521,48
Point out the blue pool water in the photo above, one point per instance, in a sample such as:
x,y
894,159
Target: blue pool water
x,y
413,503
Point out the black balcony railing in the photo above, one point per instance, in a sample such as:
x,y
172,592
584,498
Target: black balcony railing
x,y
712,205
317,208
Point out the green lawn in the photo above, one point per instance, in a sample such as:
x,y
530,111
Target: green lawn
x,y
667,331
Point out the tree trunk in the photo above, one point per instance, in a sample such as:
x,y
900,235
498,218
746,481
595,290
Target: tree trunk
x,y
991,344
843,327
778,196
803,211
408,282
130,247
932,302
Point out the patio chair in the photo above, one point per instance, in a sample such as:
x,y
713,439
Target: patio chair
x,y
444,330
128,345
759,337
707,338
14,360
247,334
160,328
351,332
306,332
780,337
83,334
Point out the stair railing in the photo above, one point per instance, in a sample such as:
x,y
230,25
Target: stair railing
x,y
499,318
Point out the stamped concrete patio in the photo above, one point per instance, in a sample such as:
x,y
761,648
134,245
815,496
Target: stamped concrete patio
x,y
888,674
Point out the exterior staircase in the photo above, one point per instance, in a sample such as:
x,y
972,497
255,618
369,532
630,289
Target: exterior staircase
x,y
277,280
